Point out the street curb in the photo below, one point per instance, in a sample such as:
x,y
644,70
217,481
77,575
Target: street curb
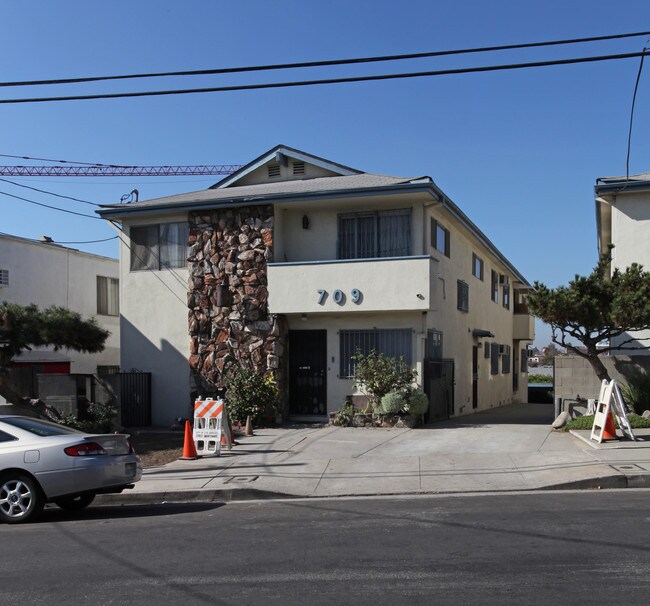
x,y
614,481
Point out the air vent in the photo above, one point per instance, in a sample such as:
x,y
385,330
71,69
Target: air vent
x,y
274,170
298,168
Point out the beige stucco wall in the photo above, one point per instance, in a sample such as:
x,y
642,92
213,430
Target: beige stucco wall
x,y
46,275
484,314
630,226
154,330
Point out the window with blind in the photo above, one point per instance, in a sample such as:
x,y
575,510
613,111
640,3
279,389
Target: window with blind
x,y
108,296
463,296
394,343
161,246
374,234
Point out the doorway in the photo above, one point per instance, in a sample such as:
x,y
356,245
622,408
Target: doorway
x,y
307,372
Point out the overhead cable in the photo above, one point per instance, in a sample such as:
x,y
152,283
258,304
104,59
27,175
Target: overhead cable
x,y
49,193
271,85
328,62
63,210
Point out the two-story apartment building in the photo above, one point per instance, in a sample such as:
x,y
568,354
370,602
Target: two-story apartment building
x,y
623,219
294,263
43,273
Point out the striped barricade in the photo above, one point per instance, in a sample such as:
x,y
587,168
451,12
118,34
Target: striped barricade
x,y
208,415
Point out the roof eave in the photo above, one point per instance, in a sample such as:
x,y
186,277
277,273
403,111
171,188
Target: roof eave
x,y
124,210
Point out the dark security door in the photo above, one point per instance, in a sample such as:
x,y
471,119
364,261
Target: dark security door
x,y
307,372
475,376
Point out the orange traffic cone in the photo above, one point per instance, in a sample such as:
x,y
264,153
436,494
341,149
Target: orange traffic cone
x,y
609,431
189,449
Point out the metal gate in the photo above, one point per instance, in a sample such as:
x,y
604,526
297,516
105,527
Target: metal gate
x,y
307,372
439,387
135,398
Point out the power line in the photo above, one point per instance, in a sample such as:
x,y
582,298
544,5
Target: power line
x,y
63,210
629,137
270,85
50,193
88,241
61,161
328,62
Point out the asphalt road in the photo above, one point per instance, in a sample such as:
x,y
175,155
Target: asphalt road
x,y
545,548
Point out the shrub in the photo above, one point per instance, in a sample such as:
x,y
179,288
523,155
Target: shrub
x,y
393,403
636,391
540,378
250,394
418,403
345,414
98,418
377,374
587,422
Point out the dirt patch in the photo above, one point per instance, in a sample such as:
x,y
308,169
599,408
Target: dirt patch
x,y
157,448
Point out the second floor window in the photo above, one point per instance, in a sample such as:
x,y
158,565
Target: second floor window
x,y
440,238
108,296
162,246
374,234
495,286
477,266
463,296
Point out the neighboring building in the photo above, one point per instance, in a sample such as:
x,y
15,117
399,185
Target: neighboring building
x,y
46,274
623,219
293,263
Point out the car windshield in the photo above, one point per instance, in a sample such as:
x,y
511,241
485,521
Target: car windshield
x,y
39,427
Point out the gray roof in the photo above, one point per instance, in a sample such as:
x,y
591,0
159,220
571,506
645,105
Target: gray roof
x,y
638,182
264,190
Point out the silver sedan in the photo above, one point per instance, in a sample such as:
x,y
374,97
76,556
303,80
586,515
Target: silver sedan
x,y
44,462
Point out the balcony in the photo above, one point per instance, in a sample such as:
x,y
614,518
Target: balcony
x,y
524,326
361,285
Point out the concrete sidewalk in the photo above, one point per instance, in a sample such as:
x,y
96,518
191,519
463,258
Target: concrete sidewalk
x,y
508,449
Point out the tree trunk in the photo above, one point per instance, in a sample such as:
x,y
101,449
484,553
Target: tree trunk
x,y
598,366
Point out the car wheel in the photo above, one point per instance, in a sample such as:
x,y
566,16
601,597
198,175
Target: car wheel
x,y
75,502
21,498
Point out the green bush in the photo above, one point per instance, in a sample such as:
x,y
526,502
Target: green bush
x,y
393,403
540,378
345,414
418,403
636,391
587,422
250,394
97,418
377,374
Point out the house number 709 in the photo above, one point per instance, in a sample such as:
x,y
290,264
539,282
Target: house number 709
x,y
339,296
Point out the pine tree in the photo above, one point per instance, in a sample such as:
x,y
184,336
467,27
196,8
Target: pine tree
x,y
24,327
596,308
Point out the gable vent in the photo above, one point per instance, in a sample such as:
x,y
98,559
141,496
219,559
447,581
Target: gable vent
x,y
274,170
298,168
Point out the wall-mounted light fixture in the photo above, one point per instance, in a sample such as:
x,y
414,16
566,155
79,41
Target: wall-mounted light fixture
x,y
303,317
305,222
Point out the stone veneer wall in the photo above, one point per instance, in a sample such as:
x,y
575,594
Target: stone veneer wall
x,y
229,321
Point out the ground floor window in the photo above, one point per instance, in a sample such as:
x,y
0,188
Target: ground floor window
x,y
393,342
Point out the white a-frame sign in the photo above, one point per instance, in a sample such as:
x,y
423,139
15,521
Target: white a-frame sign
x,y
610,400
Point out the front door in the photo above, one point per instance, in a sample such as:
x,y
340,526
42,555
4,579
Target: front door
x,y
307,372
475,376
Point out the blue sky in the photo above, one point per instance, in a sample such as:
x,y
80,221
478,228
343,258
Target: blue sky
x,y
518,151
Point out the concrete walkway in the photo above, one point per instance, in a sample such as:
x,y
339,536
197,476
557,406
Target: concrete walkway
x,y
510,448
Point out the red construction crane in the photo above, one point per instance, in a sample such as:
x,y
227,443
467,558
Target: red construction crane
x,y
116,171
